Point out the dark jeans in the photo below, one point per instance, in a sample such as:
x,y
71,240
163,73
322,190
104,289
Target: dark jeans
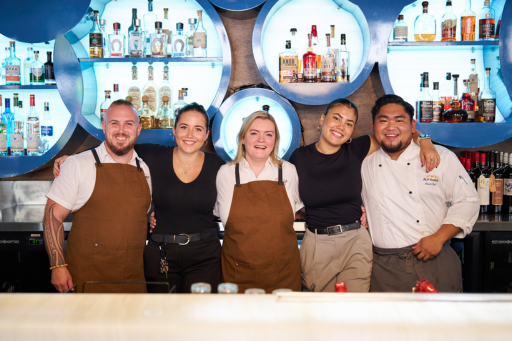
x,y
188,264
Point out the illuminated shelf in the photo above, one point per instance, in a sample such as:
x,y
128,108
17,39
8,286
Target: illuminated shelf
x,y
150,60
444,43
28,87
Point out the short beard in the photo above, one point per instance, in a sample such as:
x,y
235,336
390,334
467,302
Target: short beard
x,y
119,151
394,149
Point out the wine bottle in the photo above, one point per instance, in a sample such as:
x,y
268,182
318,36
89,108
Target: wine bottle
x,y
483,184
507,186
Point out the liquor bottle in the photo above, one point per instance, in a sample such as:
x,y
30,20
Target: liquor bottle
x,y
483,184
115,94
297,48
455,114
132,26
190,36
447,91
105,105
343,62
166,27
106,47
37,71
146,115
288,65
180,104
3,131
467,23
328,63
467,103
46,124
474,83
149,20
318,50
116,42
470,172
26,66
158,42
12,67
33,129
334,45
309,63
486,22
185,93
200,37
425,103
506,208
17,133
165,88
497,36
165,116
16,103
487,100
179,42
438,104
425,25
449,24
455,86
7,54
136,41
150,90
134,89
49,74
400,29
96,39
8,116
497,189
23,118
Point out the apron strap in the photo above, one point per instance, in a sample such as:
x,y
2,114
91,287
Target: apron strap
x,y
280,176
237,175
138,165
96,157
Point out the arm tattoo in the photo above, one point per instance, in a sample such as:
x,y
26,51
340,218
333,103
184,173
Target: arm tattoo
x,y
53,236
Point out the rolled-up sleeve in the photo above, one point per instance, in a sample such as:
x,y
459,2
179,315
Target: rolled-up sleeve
x,y
64,189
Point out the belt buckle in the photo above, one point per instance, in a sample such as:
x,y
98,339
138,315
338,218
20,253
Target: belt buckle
x,y
330,227
188,241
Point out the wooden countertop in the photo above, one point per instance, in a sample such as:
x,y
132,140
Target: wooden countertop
x,y
288,316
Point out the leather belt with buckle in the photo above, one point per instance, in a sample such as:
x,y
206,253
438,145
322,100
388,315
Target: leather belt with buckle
x,y
182,238
335,229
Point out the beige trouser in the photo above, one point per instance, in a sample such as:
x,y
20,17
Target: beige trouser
x,y
345,257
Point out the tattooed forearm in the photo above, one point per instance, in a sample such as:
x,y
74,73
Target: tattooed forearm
x,y
53,236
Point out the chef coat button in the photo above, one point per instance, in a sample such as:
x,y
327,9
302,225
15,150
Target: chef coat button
x,y
417,221
95,244
236,263
408,164
380,165
410,192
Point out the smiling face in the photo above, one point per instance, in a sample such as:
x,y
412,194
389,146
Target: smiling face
x,y
260,140
190,131
393,128
337,125
121,128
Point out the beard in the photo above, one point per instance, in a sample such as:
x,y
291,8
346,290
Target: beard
x,y
392,149
119,151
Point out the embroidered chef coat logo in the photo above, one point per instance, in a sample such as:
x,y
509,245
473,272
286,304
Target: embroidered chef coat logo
x,y
431,180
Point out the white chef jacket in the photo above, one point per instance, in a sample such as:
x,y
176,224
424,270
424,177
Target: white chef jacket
x,y
404,203
75,183
226,182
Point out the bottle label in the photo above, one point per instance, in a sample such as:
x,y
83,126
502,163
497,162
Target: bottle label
x,y
309,67
16,142
36,75
12,73
328,66
47,131
95,40
437,111
483,190
32,142
178,48
426,110
488,109
471,115
158,47
447,102
48,70
199,39
507,187
497,195
136,46
164,91
151,93
309,72
116,48
486,28
401,31
134,93
473,86
467,29
449,28
3,142
102,114
168,35
288,69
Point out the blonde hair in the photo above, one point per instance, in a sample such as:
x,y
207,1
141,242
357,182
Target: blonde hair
x,y
240,154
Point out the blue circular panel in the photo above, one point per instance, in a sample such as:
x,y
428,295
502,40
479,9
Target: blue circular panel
x,y
237,5
229,119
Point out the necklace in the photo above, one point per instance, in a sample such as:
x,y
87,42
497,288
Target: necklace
x,y
186,169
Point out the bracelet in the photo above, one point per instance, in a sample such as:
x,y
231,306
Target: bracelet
x,y
58,266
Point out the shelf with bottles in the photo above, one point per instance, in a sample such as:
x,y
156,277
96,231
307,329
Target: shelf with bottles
x,y
229,119
183,60
273,28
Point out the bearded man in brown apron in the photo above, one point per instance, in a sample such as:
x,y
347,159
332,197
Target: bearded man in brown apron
x,y
413,214
108,191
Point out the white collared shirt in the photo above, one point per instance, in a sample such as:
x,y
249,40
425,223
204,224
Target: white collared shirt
x,y
75,184
404,203
226,182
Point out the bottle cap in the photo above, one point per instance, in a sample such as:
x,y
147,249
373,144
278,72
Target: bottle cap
x,y
137,22
107,91
313,30
102,22
473,61
401,17
266,107
436,85
343,37
192,21
165,98
293,30
145,98
487,69
49,54
448,3
424,3
455,76
134,10
12,43
179,26
340,287
158,25
116,87
36,52
483,158
129,98
448,76
117,26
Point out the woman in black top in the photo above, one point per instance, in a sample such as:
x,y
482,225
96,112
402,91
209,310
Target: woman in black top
x,y
335,248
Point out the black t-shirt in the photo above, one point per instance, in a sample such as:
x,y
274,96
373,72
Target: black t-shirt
x,y
330,185
180,207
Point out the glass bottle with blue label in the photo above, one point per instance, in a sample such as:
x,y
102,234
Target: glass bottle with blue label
x,y
179,42
26,66
33,129
46,124
36,71
136,42
116,42
12,67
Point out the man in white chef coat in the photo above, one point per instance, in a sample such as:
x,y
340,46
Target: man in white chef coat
x,y
413,214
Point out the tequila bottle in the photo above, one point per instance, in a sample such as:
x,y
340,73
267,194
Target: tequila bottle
x,y
425,107
7,54
166,27
150,90
37,71
33,129
487,100
165,88
158,42
199,37
425,25
105,105
438,104
96,39
400,29
328,62
18,132
467,23
449,24
180,104
3,131
297,48
165,116
46,124
309,62
136,41
146,115
288,65
49,75
343,62
317,50
134,89
334,45
190,37
12,67
103,28
26,66
179,42
149,25
116,42
132,26
467,103
486,22
474,82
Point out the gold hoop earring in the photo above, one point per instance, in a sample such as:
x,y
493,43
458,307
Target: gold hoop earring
x,y
319,128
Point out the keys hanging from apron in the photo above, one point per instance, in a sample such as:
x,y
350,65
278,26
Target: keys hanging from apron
x,y
164,266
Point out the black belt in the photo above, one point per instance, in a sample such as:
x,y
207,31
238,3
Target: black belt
x,y
182,238
335,229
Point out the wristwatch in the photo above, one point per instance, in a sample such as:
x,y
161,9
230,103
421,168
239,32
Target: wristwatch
x,y
422,137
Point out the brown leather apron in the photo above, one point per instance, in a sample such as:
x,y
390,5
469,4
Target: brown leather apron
x,y
260,245
108,235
